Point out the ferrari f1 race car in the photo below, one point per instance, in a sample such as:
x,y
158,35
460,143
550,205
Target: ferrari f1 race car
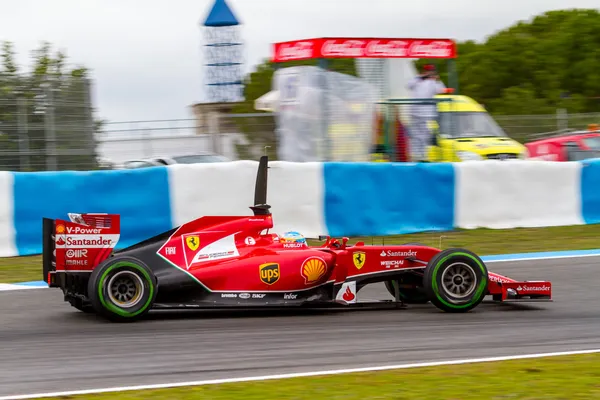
x,y
233,261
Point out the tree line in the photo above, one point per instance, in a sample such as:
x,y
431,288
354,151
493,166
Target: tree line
x,y
532,67
46,113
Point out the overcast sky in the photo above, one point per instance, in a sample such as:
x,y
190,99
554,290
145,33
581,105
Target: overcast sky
x,y
146,59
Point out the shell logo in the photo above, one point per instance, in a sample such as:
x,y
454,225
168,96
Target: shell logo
x,y
313,269
60,229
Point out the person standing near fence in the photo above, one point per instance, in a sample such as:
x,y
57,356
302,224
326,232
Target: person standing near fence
x,y
425,86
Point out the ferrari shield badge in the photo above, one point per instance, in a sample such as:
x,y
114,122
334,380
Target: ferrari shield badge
x,y
193,242
359,258
269,273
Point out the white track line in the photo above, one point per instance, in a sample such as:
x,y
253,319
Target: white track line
x,y
541,258
296,375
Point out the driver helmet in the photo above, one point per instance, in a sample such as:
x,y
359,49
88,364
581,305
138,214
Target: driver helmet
x,y
293,237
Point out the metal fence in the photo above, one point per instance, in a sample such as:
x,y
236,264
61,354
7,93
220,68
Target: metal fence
x,y
524,128
46,124
235,136
50,126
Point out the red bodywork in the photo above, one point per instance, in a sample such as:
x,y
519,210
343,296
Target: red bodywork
x,y
230,255
555,148
221,261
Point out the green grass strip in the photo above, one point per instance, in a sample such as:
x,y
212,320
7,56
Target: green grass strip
x,y
554,378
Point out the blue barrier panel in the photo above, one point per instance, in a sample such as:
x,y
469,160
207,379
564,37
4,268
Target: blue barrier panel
x,y
372,199
140,196
590,191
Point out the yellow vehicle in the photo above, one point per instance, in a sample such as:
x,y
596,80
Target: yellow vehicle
x,y
467,132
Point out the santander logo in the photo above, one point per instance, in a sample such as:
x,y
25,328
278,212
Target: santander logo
x,y
347,48
348,295
295,51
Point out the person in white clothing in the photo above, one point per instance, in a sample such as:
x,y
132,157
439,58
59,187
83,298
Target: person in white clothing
x,y
425,86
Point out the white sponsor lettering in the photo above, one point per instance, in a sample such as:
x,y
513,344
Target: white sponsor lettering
x,y
87,241
394,263
229,295
390,253
434,49
348,48
76,253
495,278
526,288
171,250
79,263
258,295
99,241
244,295
293,245
295,51
290,296
83,231
393,48
222,248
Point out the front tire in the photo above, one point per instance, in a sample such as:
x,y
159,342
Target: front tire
x,y
456,280
122,289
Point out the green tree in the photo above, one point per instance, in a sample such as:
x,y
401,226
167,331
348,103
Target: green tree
x,y
536,66
45,114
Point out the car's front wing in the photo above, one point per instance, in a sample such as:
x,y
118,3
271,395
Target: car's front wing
x,y
507,289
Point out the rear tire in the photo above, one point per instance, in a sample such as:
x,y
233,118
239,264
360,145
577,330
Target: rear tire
x,y
122,289
456,280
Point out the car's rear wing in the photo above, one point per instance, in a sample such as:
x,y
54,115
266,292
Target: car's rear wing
x,y
77,245
48,251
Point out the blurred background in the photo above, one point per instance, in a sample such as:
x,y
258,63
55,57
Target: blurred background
x,y
111,85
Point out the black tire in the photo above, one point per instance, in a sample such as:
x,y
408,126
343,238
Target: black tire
x,y
408,296
122,273
465,286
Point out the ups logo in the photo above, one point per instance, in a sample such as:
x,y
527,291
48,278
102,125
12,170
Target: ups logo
x,y
269,273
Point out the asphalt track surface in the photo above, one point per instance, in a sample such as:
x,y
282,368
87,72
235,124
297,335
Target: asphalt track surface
x,y
47,346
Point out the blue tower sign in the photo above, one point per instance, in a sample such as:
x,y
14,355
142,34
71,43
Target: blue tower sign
x,y
223,55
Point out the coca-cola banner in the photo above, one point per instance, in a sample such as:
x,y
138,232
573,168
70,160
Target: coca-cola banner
x,y
363,48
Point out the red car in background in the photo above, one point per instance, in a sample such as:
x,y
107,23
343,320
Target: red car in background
x,y
567,146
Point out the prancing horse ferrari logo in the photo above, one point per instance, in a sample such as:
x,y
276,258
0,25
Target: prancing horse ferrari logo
x,y
193,242
359,258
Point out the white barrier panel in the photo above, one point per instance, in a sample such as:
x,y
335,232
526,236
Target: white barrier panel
x,y
501,195
295,193
7,230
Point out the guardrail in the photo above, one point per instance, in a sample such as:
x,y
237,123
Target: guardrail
x,y
351,199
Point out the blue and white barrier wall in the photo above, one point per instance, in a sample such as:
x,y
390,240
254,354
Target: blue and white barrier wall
x,y
350,199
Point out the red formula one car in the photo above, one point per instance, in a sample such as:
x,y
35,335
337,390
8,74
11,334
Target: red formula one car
x,y
221,261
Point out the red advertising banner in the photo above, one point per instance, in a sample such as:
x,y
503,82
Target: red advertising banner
x,y
363,48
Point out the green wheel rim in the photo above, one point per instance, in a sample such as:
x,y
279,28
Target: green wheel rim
x,y
479,291
117,310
